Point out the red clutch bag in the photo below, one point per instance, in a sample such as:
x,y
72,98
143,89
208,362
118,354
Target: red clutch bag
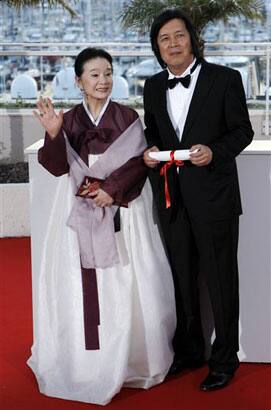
x,y
88,185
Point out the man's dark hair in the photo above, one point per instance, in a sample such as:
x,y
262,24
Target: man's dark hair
x,y
161,20
89,54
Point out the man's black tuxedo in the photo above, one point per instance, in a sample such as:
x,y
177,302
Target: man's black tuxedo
x,y
217,117
201,226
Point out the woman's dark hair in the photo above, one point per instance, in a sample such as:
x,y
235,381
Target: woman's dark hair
x,y
161,20
89,54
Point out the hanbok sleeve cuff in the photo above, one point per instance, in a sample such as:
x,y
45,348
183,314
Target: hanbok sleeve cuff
x,y
112,188
52,155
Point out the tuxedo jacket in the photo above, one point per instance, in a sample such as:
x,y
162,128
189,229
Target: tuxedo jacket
x,y
217,117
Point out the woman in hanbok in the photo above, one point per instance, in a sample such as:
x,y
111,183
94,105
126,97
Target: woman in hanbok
x,y
105,315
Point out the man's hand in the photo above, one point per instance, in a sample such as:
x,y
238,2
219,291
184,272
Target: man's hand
x,y
101,198
202,157
151,163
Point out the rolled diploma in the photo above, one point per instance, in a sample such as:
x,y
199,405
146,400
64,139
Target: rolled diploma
x,y
181,154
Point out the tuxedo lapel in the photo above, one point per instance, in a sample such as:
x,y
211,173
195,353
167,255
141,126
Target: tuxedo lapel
x,y
203,86
161,107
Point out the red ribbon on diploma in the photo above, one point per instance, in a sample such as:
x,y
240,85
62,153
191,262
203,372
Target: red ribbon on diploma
x,y
163,172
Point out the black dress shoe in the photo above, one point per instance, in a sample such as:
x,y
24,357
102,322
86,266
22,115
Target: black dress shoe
x,y
182,364
215,380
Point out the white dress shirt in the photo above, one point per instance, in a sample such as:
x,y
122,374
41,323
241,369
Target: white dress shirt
x,y
179,99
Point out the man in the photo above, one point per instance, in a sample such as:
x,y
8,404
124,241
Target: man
x,y
198,201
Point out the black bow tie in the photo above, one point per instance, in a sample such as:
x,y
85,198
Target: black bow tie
x,y
185,81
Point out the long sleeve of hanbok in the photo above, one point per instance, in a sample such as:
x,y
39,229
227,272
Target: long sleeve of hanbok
x,y
126,183
52,156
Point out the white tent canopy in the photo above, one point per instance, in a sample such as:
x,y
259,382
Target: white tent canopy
x,y
24,86
64,85
120,88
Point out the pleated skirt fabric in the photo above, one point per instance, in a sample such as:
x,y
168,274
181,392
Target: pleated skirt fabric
x,y
136,302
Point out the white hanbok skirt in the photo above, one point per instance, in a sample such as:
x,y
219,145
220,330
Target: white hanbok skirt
x,y
137,309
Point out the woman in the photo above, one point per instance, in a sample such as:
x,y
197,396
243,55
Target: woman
x,y
105,316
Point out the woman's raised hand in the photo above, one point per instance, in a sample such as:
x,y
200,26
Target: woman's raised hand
x,y
49,119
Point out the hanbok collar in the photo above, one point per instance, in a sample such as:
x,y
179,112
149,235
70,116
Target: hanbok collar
x,y
98,119
187,71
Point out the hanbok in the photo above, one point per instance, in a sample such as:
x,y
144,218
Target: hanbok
x,y
93,337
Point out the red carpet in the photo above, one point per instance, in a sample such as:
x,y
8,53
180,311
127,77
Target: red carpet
x,y
250,389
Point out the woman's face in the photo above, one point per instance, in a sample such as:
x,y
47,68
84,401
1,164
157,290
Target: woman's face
x,y
96,79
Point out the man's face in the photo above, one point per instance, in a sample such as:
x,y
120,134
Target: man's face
x,y
175,46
